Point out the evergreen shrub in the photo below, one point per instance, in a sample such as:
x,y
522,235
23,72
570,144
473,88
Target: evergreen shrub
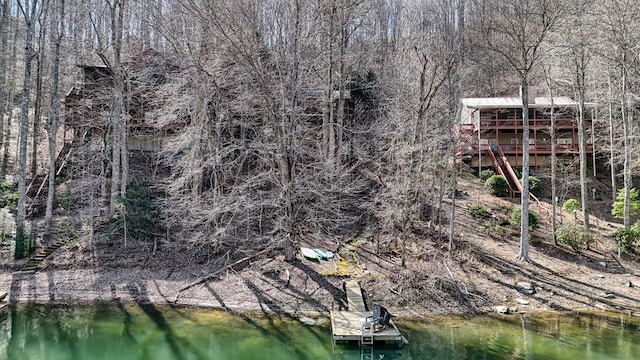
x,y
577,237
516,217
497,185
486,173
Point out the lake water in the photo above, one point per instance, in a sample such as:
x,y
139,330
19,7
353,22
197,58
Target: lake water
x,y
149,332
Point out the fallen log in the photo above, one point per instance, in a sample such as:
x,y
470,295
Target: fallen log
x,y
215,273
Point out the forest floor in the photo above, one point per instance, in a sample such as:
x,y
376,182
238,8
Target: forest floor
x,y
481,274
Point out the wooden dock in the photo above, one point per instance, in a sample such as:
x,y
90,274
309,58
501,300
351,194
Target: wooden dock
x,y
355,301
351,325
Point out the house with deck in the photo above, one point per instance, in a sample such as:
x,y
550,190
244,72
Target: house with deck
x,y
491,133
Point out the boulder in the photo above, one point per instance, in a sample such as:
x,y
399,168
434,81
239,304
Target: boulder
x,y
307,320
3,295
506,309
526,288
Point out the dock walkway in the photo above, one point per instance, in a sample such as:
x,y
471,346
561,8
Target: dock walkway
x,y
350,325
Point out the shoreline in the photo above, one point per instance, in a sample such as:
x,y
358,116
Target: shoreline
x,y
87,287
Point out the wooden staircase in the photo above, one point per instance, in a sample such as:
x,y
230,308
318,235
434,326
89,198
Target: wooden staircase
x,y
503,167
33,264
42,180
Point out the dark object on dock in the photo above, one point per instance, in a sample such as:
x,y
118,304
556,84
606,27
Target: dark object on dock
x,y
380,319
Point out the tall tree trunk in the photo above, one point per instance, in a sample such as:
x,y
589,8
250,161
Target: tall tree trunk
x,y
8,110
627,149
554,159
23,243
118,116
37,113
57,33
582,143
612,153
524,198
580,63
4,36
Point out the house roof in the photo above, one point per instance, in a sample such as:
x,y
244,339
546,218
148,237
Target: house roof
x,y
515,102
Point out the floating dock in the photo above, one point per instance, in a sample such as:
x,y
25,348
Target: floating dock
x,y
354,324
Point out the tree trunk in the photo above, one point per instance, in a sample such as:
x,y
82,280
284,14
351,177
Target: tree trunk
x,y
9,99
57,33
554,162
37,113
118,121
4,35
612,153
23,243
580,68
627,151
524,198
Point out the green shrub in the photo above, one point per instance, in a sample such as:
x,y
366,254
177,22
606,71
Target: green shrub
x,y
617,209
627,239
486,173
497,185
478,212
138,212
8,198
577,237
516,216
496,230
67,231
535,185
571,206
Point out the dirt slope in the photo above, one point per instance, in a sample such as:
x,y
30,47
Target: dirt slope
x,y
481,274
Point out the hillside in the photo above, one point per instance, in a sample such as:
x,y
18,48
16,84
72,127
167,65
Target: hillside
x,y
483,272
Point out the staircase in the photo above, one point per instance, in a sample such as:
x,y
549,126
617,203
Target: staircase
x,y
503,167
34,263
43,179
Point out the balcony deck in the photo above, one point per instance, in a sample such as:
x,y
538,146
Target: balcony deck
x,y
515,124
534,149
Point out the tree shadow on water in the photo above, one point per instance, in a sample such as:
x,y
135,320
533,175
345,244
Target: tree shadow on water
x,y
178,345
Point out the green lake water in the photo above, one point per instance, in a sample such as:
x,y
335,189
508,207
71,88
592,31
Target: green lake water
x,y
150,332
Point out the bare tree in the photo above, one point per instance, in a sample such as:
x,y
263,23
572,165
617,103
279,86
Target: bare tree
x,y
10,92
56,36
621,58
581,58
118,122
29,11
39,95
4,35
419,124
516,31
